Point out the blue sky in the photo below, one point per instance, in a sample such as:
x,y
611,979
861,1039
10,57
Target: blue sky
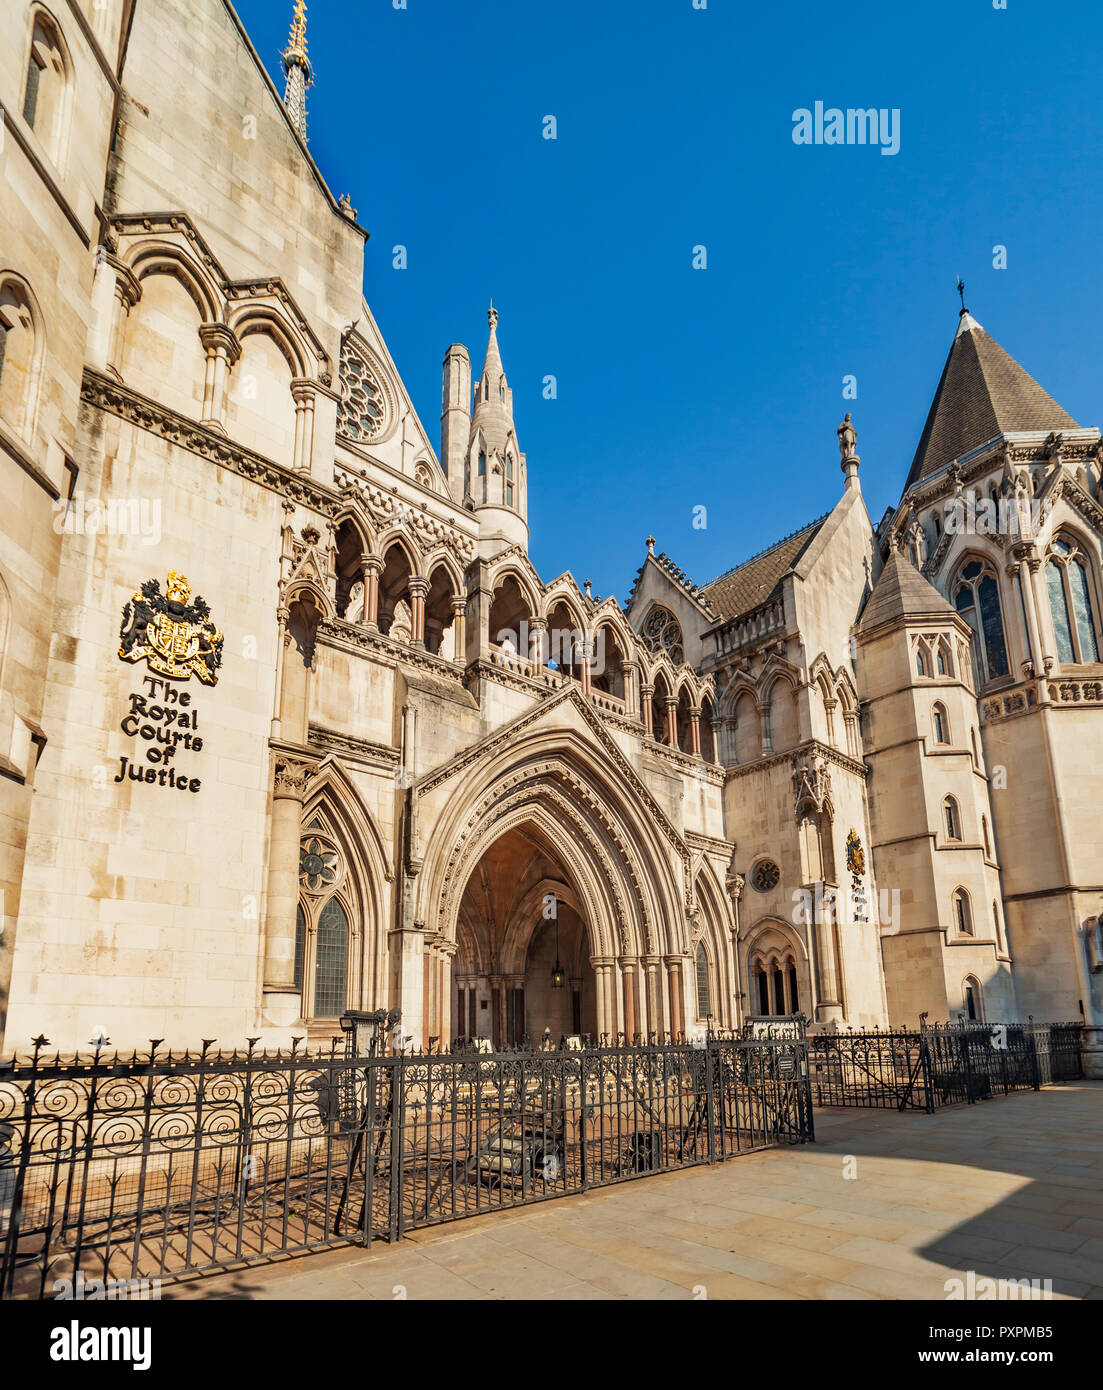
x,y
722,388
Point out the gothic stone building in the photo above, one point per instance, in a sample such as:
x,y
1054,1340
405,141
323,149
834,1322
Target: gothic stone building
x,y
289,723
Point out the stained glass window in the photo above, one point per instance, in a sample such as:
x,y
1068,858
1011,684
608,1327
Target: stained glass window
x,y
331,961
1070,602
977,599
300,945
704,1005
34,79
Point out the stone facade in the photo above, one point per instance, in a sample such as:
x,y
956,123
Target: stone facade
x,y
349,749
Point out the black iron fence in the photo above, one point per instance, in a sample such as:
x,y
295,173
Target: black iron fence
x,y
149,1168
934,1067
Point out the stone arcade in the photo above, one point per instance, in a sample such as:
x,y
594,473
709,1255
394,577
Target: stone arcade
x,y
415,773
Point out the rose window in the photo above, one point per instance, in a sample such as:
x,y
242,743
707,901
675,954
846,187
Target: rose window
x,y
361,409
319,865
765,875
663,633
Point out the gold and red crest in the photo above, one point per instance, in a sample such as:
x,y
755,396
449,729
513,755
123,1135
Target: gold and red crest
x,y
175,637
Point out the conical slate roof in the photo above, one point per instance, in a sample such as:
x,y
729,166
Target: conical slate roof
x,y
493,415
901,591
983,392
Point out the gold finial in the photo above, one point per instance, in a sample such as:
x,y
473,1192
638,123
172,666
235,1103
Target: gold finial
x,y
295,52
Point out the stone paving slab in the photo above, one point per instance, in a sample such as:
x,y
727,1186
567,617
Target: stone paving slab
x,y
884,1206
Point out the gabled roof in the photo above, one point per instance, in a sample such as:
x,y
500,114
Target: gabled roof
x,y
752,583
983,392
902,592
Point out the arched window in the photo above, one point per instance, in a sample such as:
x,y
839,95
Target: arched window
x,y
951,819
18,358
45,89
509,480
984,833
963,916
482,465
971,998
1070,602
977,599
920,664
331,961
300,945
976,754
941,724
763,983
996,921
944,662
794,993
704,998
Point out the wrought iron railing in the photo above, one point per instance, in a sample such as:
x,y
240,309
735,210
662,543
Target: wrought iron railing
x,y
152,1167
936,1066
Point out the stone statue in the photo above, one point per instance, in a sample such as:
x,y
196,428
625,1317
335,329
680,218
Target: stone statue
x,y
848,437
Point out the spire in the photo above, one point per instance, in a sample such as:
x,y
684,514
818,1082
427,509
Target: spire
x,y
296,66
983,393
493,398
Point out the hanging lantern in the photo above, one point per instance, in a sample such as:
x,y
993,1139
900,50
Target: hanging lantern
x,y
559,975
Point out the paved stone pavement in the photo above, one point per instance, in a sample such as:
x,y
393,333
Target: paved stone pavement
x,y
1010,1188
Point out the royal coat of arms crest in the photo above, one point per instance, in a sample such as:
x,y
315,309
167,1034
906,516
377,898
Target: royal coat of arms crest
x,y
855,854
174,637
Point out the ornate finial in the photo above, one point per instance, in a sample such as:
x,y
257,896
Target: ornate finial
x,y
492,315
651,545
961,293
296,66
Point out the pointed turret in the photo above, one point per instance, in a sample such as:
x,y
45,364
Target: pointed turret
x,y
496,471
297,69
983,392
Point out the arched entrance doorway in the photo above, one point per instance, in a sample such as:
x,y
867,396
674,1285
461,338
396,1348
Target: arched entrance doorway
x,y
519,917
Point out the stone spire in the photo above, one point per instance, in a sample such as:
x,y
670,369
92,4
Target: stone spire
x,y
296,66
497,478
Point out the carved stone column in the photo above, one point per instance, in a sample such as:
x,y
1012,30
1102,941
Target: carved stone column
x,y
371,567
653,994
303,394
127,292
459,630
537,631
676,990
646,692
603,967
223,351
631,997
695,732
735,883
671,721
587,657
282,1002
419,588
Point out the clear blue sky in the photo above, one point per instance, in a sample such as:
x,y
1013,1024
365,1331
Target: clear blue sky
x,y
719,388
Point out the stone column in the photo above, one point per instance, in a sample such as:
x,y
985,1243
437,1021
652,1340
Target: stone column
x,y
282,1001
653,993
735,883
587,653
223,351
459,630
1016,573
829,1006
646,692
606,994
370,568
537,631
1033,568
630,676
127,292
631,997
419,588
671,721
695,732
303,394
676,990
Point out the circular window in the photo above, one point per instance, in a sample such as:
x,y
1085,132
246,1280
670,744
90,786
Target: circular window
x,y
663,633
765,875
319,864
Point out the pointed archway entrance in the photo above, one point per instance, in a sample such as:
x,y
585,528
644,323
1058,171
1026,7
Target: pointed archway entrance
x,y
519,916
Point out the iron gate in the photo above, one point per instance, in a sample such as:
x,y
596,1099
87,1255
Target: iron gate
x,y
152,1168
